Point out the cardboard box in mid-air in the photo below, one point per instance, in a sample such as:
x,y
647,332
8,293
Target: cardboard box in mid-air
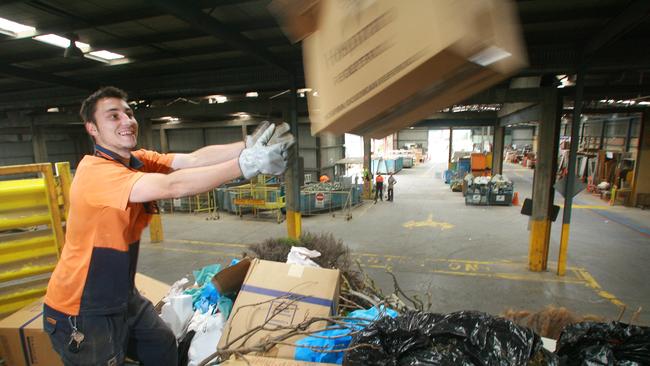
x,y
377,66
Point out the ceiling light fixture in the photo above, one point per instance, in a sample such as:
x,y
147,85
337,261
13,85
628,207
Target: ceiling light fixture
x,y
14,29
252,95
217,99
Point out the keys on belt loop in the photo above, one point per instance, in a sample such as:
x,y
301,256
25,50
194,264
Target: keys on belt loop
x,y
76,337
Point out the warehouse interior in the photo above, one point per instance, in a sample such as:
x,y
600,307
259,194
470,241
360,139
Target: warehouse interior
x,y
210,71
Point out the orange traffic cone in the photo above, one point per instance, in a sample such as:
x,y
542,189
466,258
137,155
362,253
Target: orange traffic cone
x,y
515,199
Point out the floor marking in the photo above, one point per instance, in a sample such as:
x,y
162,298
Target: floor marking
x,y
197,251
589,207
443,266
428,223
201,242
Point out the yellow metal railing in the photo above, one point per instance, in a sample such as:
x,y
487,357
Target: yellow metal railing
x,y
32,211
258,196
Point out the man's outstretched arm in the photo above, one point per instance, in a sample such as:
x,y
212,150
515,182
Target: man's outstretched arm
x,y
209,155
183,182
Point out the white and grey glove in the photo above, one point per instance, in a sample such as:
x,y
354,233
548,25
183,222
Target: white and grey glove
x,y
252,138
283,136
265,157
262,159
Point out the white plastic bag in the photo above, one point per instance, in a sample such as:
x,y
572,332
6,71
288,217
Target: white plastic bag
x,y
301,255
208,328
176,313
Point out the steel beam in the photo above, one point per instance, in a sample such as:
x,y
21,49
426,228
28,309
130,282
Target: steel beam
x,y
292,177
526,115
35,75
200,20
641,182
497,148
544,178
634,14
571,174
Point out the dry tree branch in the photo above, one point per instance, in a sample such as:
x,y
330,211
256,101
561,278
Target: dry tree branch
x,y
398,290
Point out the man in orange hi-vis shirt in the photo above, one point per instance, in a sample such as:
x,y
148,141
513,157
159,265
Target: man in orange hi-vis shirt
x,y
379,187
92,312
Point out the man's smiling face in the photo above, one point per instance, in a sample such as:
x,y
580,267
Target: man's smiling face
x,y
115,127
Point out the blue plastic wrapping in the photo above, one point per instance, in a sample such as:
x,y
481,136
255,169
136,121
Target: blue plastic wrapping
x,y
206,273
334,339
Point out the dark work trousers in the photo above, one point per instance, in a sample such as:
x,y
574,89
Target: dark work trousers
x,y
139,334
379,191
390,194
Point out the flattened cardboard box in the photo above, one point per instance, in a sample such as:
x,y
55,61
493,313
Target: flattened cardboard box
x,y
24,343
382,65
279,294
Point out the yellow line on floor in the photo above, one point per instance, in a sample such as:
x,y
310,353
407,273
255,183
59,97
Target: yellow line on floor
x,y
201,242
197,251
589,207
503,276
592,283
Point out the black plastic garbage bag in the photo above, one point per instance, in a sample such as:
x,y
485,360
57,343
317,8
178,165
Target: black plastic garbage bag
x,y
465,338
611,344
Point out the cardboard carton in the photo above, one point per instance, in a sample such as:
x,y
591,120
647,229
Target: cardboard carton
x,y
24,343
275,294
298,18
378,66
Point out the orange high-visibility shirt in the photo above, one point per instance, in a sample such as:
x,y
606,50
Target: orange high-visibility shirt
x,y
97,266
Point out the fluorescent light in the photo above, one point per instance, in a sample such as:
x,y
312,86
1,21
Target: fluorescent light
x,y
252,95
217,99
62,42
644,103
106,55
53,110
14,29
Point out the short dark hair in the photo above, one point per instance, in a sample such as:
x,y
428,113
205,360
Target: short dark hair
x,y
89,106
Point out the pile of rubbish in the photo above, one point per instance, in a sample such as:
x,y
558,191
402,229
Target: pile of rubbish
x,y
338,316
323,187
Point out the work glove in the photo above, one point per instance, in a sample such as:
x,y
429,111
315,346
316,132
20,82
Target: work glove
x,y
283,136
252,138
265,157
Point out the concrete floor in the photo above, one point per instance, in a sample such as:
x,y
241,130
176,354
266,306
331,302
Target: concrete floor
x,y
468,257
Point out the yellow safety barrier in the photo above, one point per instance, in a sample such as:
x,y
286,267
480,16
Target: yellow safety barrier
x,y
258,196
32,211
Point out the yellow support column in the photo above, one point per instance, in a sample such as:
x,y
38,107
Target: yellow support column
x,y
543,194
564,248
156,229
539,237
294,224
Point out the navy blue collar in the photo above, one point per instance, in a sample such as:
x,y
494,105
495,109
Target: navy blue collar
x,y
103,152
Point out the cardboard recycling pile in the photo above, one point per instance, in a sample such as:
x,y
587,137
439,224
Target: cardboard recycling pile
x,y
379,66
